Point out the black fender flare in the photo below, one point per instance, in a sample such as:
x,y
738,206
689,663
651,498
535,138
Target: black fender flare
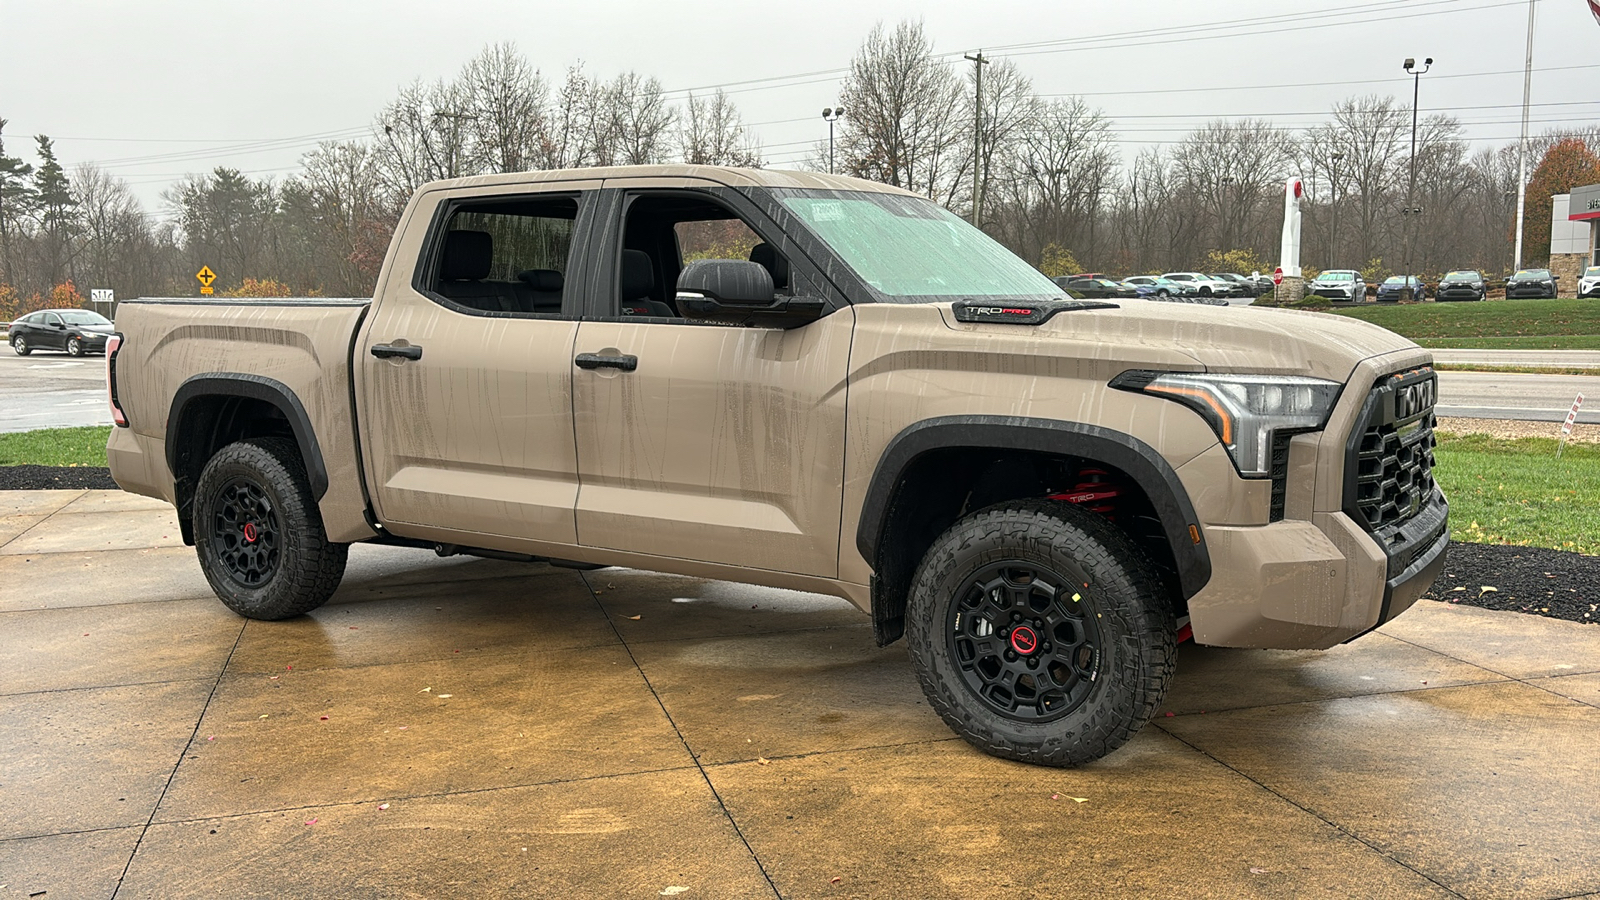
x,y
253,387
1139,460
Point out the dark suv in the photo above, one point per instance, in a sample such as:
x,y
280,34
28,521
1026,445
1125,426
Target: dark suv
x,y
1531,283
1466,284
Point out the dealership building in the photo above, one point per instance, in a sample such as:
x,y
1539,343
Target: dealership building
x,y
1574,234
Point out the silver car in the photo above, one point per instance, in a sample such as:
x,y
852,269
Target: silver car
x,y
1344,285
1205,285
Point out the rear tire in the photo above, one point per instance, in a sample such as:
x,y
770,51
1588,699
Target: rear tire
x,y
1040,633
258,533
19,345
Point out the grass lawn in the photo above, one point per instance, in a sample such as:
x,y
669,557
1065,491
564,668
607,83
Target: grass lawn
x,y
1515,491
56,447
1492,324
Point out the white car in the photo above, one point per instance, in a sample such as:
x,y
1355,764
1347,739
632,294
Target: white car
x,y
1589,282
1205,285
1344,285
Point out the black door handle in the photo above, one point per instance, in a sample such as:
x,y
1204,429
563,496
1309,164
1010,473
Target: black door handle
x,y
627,362
386,351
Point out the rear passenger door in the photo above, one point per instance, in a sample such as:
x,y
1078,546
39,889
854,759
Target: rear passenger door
x,y
465,367
702,442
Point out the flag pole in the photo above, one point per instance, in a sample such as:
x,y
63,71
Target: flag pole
x,y
1522,145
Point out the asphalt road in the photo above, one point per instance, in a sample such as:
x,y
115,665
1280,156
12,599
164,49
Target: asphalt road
x,y
52,390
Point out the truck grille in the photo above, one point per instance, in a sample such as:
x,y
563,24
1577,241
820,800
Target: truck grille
x,y
1389,464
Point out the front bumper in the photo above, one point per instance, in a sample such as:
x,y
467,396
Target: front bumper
x,y
1591,289
1364,536
1462,292
1534,290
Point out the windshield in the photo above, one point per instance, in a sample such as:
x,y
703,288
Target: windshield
x,y
82,317
1462,276
910,250
1394,280
1592,270
1533,273
1336,276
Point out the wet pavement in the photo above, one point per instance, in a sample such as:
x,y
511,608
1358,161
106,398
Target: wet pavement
x,y
451,727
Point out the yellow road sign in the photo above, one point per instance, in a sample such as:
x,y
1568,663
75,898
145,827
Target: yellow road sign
x,y
206,276
205,290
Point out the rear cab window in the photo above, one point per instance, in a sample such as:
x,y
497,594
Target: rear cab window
x,y
506,256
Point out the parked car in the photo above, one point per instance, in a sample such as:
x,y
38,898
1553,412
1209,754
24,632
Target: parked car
x,y
1264,283
1073,484
1250,288
1392,290
1589,282
75,331
1339,284
1531,283
1095,288
1207,286
1467,284
1156,286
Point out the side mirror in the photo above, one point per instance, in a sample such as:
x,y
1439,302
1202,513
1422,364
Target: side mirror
x,y
738,292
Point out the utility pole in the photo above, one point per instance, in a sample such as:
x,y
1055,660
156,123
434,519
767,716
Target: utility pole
x,y
1333,219
978,63
1412,210
1522,144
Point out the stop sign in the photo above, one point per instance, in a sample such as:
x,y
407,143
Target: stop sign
x,y
1277,275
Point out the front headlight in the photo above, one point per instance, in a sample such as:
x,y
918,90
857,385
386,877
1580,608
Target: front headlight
x,y
1244,410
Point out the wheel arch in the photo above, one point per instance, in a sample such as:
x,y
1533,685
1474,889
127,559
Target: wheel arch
x,y
211,410
891,507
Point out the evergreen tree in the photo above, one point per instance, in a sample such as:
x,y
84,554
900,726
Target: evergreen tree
x,y
16,201
57,209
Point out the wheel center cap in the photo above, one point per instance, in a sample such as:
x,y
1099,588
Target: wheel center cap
x,y
1024,640
250,532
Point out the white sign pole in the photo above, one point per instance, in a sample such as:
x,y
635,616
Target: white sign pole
x,y
1566,427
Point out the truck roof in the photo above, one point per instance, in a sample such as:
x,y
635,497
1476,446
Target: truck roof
x,y
725,175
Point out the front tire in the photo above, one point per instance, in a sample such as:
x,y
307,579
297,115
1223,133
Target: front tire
x,y
258,533
1040,633
19,345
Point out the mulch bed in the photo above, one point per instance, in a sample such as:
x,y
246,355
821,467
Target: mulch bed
x,y
1554,583
56,478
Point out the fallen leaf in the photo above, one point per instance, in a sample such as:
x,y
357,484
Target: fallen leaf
x,y
1055,796
324,718
446,696
1079,799
1257,870
212,738
763,761
425,690
668,891
835,880
636,618
262,716
311,821
1487,590
383,806
748,698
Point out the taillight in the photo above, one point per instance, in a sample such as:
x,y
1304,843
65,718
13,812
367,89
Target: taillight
x,y
113,344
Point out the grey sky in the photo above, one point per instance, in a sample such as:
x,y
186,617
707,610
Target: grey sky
x,y
114,81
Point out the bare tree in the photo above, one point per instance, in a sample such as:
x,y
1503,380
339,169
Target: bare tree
x,y
710,133
1055,177
422,136
503,102
1230,169
904,125
1009,107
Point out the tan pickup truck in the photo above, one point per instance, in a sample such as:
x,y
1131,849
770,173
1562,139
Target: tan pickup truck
x,y
807,382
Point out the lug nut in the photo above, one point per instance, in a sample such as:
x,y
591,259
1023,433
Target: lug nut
x,y
1045,648
1011,656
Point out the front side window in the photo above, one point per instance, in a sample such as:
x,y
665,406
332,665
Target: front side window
x,y
664,232
506,255
910,250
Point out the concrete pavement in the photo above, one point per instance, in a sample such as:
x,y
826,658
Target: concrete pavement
x,y
474,728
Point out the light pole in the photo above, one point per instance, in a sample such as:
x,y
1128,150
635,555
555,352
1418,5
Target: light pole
x,y
831,114
1333,217
1411,191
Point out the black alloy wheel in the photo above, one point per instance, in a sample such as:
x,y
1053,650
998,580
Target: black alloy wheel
x,y
1040,632
245,532
259,535
1024,641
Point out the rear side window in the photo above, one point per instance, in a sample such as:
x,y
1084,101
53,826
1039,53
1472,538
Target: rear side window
x,y
506,256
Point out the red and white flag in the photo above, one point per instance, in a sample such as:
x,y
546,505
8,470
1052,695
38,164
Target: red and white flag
x,y
1594,7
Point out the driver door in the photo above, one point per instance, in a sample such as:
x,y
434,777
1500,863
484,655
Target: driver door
x,y
717,443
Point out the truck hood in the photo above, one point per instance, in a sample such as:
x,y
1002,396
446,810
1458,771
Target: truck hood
x,y
1218,339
